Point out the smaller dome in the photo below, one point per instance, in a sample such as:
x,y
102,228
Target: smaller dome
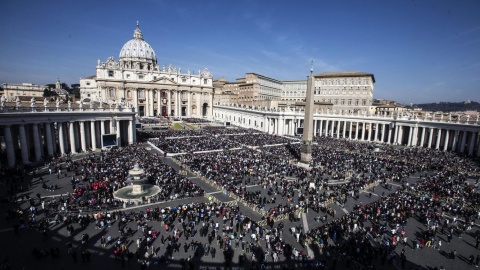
x,y
138,49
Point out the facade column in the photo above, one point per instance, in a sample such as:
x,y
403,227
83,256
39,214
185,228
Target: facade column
x,y
159,102
464,141
61,138
93,134
169,103
23,144
7,132
445,146
189,104
471,145
82,136
151,103
344,129
455,140
72,138
439,137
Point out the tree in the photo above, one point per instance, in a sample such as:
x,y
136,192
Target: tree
x,y
47,93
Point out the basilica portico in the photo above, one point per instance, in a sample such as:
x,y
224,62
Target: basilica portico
x,y
31,134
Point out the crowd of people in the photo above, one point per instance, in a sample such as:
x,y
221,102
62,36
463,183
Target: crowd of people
x,y
445,198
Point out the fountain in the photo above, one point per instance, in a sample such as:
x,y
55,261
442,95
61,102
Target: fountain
x,y
136,190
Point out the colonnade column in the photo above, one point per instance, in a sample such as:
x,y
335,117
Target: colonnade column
x,y
350,131
376,133
338,129
118,130
410,136
439,137
131,128
82,136
430,138
321,127
363,130
36,142
400,135
314,128
389,138
93,134
61,138
102,127
455,140
23,144
344,129
356,130
7,132
395,137
72,138
48,134
445,146
464,140
422,137
383,133
471,145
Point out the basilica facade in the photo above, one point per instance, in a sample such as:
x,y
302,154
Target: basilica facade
x,y
137,80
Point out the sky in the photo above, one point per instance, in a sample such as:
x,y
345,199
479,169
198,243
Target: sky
x,y
419,51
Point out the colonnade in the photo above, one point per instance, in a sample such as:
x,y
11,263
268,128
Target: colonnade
x,y
30,137
441,135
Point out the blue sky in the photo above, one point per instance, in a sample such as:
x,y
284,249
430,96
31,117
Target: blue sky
x,y
419,51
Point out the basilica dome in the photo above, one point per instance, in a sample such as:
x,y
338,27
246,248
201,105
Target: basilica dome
x,y
137,49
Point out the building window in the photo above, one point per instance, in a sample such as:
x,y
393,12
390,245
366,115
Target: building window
x,y
141,93
140,77
88,83
110,73
184,80
111,92
128,76
205,81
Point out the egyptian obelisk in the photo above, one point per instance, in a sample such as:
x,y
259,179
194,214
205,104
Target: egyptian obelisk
x,y
306,151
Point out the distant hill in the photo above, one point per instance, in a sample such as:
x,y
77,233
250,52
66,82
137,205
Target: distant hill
x,y
449,106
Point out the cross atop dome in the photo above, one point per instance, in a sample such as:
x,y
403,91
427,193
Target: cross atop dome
x,y
137,34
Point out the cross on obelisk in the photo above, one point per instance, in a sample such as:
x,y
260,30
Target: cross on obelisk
x,y
306,151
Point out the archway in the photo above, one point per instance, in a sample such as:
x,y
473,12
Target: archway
x,y
204,109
